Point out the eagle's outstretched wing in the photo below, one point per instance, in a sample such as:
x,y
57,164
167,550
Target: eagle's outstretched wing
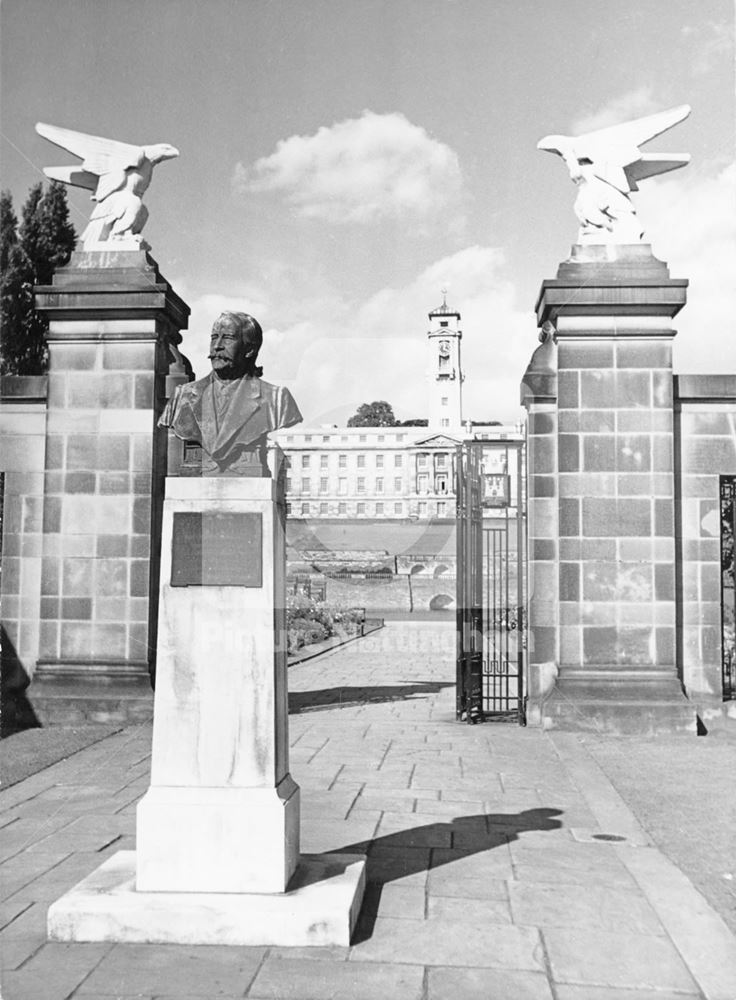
x,y
105,160
636,133
99,156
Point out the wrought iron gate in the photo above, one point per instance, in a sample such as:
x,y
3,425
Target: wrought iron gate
x,y
491,564
728,590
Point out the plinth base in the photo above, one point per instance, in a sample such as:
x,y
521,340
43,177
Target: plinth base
x,y
320,907
619,702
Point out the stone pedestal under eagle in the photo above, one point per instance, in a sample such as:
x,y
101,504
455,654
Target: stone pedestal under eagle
x,y
117,173
606,166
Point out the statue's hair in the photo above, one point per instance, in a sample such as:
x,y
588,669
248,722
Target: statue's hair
x,y
250,332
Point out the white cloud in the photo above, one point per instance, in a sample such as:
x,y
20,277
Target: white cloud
x,y
377,166
335,354
691,221
707,42
633,104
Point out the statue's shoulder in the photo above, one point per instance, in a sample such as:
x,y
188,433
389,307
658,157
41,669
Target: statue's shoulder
x,y
191,390
270,391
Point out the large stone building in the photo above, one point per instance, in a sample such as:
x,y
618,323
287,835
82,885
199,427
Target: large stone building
x,y
391,472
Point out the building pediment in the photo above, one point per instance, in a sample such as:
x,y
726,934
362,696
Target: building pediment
x,y
438,441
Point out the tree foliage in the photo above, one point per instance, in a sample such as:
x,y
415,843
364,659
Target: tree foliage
x,y
376,414
29,255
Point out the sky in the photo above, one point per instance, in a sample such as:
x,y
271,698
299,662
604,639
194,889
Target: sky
x,y
343,161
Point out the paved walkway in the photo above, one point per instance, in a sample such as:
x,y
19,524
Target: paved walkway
x,y
502,862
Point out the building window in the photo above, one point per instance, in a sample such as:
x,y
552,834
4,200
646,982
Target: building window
x,y
379,485
342,508
288,484
343,437
440,483
288,508
444,422
325,439
379,509
441,508
290,439
422,483
323,509
362,437
360,509
306,487
444,363
305,510
398,507
445,400
342,461
323,484
422,460
361,461
444,322
323,461
381,437
342,487
305,461
422,509
398,461
441,461
400,437
361,484
379,461
307,437
398,483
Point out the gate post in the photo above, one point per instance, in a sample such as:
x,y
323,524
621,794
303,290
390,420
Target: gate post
x,y
539,397
612,308
112,317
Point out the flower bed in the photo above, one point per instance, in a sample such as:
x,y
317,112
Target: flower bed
x,y
309,621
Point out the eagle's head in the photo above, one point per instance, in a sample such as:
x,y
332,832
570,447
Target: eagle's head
x,y
554,144
160,151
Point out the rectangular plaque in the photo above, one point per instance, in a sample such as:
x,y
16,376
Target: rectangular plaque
x,y
217,549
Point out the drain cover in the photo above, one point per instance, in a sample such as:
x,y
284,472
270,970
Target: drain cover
x,y
607,836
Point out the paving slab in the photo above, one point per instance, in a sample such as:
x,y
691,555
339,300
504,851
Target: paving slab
x,y
451,942
590,905
603,958
304,979
206,971
487,984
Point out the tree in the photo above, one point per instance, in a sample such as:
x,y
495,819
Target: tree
x,y
415,422
376,414
29,255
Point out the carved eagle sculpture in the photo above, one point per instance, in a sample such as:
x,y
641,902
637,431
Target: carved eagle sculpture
x,y
117,173
607,165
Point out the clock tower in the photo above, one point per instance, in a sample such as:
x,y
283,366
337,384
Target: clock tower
x,y
445,375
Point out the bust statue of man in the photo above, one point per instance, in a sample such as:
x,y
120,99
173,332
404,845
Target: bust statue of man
x,y
231,410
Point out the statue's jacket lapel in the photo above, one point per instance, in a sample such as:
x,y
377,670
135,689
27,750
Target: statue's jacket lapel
x,y
245,419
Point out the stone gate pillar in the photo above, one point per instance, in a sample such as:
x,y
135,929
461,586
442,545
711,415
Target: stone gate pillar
x,y
539,397
112,319
612,309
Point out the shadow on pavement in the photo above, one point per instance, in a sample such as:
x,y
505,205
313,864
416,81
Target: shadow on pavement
x,y
427,848
305,701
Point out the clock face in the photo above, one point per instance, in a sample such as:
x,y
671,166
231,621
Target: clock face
x,y
445,348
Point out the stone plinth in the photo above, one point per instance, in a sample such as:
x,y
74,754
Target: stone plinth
x,y
111,319
222,812
612,310
217,856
